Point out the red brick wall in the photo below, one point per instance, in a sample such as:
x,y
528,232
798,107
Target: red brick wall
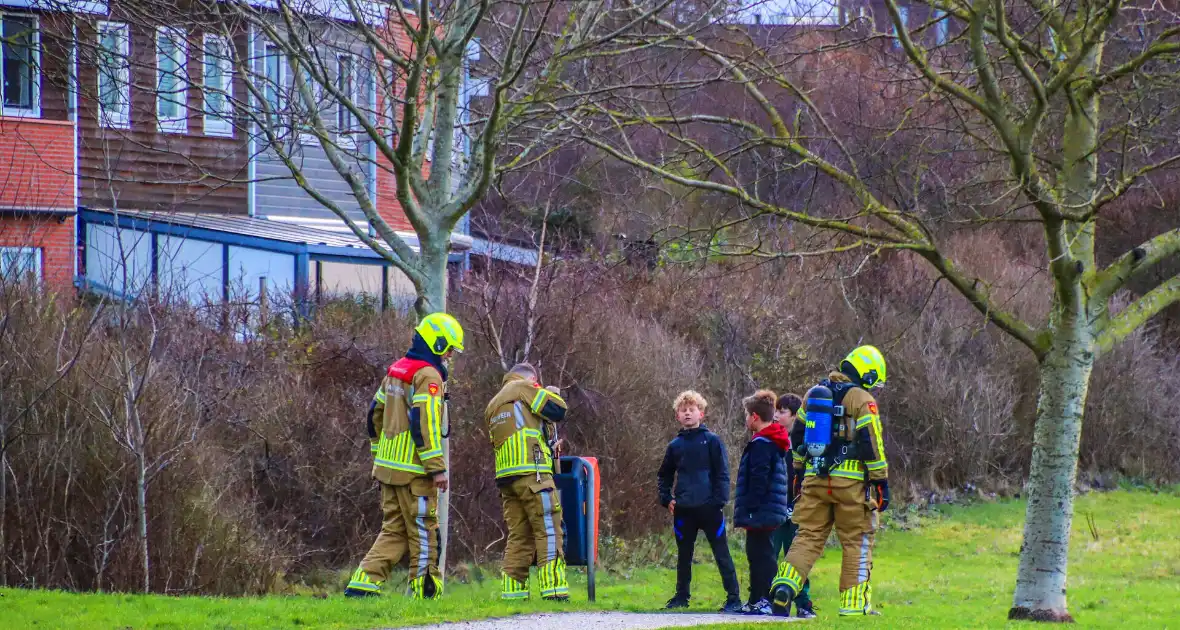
x,y
388,206
54,237
37,171
36,163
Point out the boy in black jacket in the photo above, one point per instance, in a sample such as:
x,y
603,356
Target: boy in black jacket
x,y
697,462
762,495
786,412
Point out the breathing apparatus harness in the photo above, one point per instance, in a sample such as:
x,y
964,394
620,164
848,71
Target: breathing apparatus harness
x,y
826,425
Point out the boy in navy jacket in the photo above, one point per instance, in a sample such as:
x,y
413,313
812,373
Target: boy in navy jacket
x,y
697,465
786,413
762,494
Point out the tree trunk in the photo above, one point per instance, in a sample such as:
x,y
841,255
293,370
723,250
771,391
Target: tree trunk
x,y
432,298
432,291
3,503
141,509
1065,380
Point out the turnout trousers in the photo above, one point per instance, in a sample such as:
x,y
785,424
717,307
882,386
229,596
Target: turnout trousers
x,y
409,532
840,503
532,512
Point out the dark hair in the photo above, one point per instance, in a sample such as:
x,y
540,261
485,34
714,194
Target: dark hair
x,y
761,404
789,402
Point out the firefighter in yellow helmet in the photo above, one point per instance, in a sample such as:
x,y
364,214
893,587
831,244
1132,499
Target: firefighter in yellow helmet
x,y
405,431
845,483
517,418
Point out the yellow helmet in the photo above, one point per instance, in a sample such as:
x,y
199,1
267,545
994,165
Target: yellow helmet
x,y
441,332
869,363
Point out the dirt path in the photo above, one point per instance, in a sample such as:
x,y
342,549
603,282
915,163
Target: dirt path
x,y
605,620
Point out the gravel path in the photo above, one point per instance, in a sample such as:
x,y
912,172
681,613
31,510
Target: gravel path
x,y
599,621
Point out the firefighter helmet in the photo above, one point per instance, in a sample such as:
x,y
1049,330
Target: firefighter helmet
x,y
869,364
441,332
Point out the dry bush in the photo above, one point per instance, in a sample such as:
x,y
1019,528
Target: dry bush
x,y
1132,426
276,487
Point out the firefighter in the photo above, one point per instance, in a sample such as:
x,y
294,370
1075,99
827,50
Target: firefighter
x,y
845,487
405,431
518,421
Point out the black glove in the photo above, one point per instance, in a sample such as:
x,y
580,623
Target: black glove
x,y
796,488
882,488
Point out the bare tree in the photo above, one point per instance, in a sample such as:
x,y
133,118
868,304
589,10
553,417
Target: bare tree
x,y
400,108
153,441
1008,114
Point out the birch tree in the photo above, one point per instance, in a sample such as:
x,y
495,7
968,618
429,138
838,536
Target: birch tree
x,y
1052,114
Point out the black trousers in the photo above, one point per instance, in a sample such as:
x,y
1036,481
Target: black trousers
x,y
760,554
686,523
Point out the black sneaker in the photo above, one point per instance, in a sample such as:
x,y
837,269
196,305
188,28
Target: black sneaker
x,y
761,607
731,607
557,598
781,601
677,602
354,592
804,611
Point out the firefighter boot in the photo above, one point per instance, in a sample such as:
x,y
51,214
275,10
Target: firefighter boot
x,y
513,589
784,588
426,587
552,578
857,601
361,585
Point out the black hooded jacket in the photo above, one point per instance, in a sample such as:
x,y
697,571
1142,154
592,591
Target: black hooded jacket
x,y
697,462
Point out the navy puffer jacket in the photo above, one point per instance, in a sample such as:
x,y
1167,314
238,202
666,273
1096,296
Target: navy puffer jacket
x,y
762,486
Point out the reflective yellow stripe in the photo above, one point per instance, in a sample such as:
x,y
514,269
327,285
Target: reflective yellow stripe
x,y
877,464
380,395
863,421
433,433
538,400
787,576
514,457
397,453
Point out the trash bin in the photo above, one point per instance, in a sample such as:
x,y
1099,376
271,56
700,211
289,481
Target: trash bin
x,y
579,484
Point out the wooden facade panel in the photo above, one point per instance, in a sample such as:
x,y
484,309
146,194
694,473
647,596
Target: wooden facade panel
x,y
56,48
141,167
277,193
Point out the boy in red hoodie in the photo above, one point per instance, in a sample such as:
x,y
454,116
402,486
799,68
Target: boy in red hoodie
x,y
762,494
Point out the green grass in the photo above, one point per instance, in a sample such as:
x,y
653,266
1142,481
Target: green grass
x,y
955,570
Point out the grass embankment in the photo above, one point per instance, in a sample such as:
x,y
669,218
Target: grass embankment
x,y
955,570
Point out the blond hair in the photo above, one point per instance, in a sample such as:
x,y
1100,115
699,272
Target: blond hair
x,y
689,397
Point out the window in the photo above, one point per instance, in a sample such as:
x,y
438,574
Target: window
x,y
218,83
346,85
308,114
171,80
114,75
19,263
21,57
388,88
1053,45
273,71
903,13
942,27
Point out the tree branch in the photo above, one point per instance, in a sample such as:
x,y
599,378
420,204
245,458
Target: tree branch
x,y
1116,275
1137,313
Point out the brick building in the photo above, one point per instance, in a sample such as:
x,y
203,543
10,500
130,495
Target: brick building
x,y
38,148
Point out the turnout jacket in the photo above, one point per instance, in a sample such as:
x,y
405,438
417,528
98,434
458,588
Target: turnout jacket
x,y
405,422
861,426
516,417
